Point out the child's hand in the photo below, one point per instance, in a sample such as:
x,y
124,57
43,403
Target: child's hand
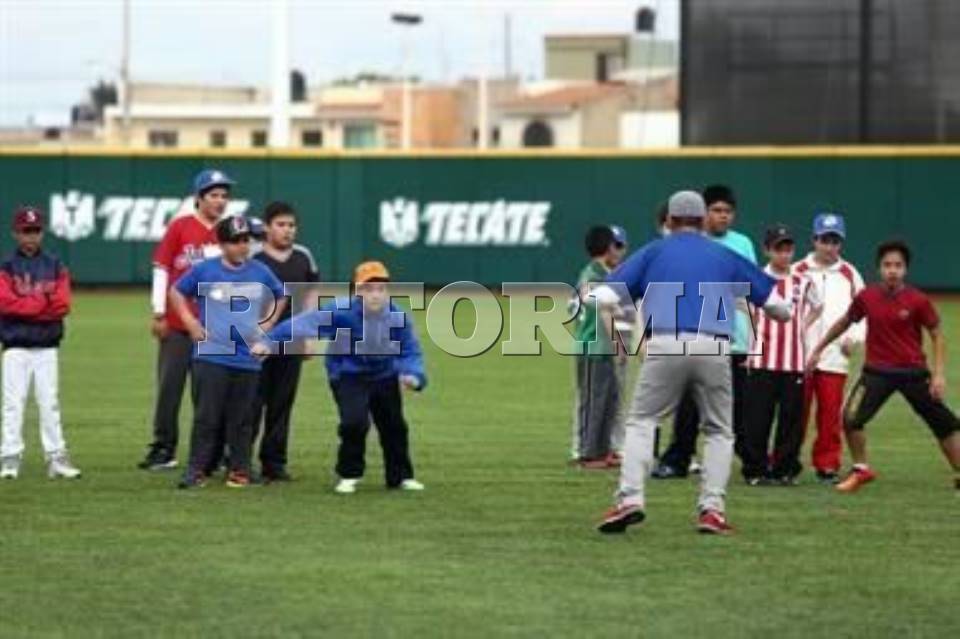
x,y
260,350
196,331
410,382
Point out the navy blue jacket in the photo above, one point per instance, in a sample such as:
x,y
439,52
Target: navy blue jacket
x,y
34,298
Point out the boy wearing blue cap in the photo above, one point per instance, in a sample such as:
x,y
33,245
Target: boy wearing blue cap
x,y
599,382
188,240
838,282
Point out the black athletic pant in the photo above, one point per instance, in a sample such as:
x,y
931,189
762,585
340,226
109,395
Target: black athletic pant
x,y
222,400
874,388
686,421
773,392
173,365
273,405
358,398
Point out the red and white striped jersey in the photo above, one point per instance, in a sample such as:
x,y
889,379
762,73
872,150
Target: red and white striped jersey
x,y
781,344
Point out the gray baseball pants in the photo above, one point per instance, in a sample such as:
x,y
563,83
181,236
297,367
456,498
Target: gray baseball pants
x,y
662,381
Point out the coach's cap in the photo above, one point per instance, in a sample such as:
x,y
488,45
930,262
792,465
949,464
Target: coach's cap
x,y
209,178
829,224
619,234
371,272
686,204
777,234
233,228
27,217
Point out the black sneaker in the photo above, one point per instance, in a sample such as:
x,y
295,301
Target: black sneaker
x,y
665,471
787,480
275,474
158,458
828,477
756,481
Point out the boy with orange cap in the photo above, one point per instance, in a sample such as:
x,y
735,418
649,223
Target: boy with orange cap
x,y
366,374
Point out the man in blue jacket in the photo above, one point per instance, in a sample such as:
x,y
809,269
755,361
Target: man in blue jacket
x,y
366,374
688,285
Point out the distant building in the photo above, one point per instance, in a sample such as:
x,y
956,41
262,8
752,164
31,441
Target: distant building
x,y
592,115
341,117
607,57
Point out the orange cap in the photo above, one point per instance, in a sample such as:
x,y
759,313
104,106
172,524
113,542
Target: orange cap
x,y
367,271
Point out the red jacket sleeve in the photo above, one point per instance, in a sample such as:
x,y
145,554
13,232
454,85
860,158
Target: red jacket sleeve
x,y
15,305
58,304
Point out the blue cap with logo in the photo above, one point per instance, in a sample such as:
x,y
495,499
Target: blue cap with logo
x,y
209,178
829,223
619,234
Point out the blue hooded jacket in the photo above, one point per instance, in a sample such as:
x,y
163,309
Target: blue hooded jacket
x,y
372,359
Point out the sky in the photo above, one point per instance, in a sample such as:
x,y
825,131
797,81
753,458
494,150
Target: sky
x,y
51,51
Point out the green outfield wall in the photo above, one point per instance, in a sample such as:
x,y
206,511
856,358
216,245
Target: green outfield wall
x,y
485,217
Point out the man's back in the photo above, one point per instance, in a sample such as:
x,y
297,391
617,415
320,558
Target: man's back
x,y
692,260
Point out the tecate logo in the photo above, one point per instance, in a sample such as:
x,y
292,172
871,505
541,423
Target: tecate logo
x,y
498,223
74,215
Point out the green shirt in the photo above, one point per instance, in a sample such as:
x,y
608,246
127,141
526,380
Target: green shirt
x,y
585,329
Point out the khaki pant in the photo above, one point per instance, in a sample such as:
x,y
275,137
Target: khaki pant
x,y
662,381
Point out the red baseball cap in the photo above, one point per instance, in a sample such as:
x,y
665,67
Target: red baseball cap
x,y
27,217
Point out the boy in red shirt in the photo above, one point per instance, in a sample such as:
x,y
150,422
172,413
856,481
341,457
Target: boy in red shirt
x,y
896,313
189,239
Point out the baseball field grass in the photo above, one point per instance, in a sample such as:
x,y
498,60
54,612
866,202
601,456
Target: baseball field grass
x,y
501,543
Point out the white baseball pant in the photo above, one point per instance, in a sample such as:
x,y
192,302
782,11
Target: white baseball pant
x,y
20,367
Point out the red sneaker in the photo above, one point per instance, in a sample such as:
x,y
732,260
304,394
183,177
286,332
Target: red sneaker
x,y
858,477
617,519
613,460
594,464
713,522
238,479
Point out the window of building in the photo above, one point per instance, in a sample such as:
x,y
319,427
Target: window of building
x,y
495,136
359,136
537,133
218,138
258,138
163,138
312,137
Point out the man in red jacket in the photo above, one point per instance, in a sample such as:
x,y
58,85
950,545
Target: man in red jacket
x,y
188,240
34,299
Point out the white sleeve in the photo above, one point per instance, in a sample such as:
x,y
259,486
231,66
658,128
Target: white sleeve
x,y
158,293
857,333
606,296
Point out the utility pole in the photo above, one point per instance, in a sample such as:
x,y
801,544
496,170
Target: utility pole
x,y
280,92
125,73
406,98
507,45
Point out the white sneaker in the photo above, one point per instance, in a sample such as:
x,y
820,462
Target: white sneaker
x,y
695,467
10,467
411,484
60,466
346,486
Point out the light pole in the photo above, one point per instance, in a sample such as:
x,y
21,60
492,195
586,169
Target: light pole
x,y
125,96
280,74
406,100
